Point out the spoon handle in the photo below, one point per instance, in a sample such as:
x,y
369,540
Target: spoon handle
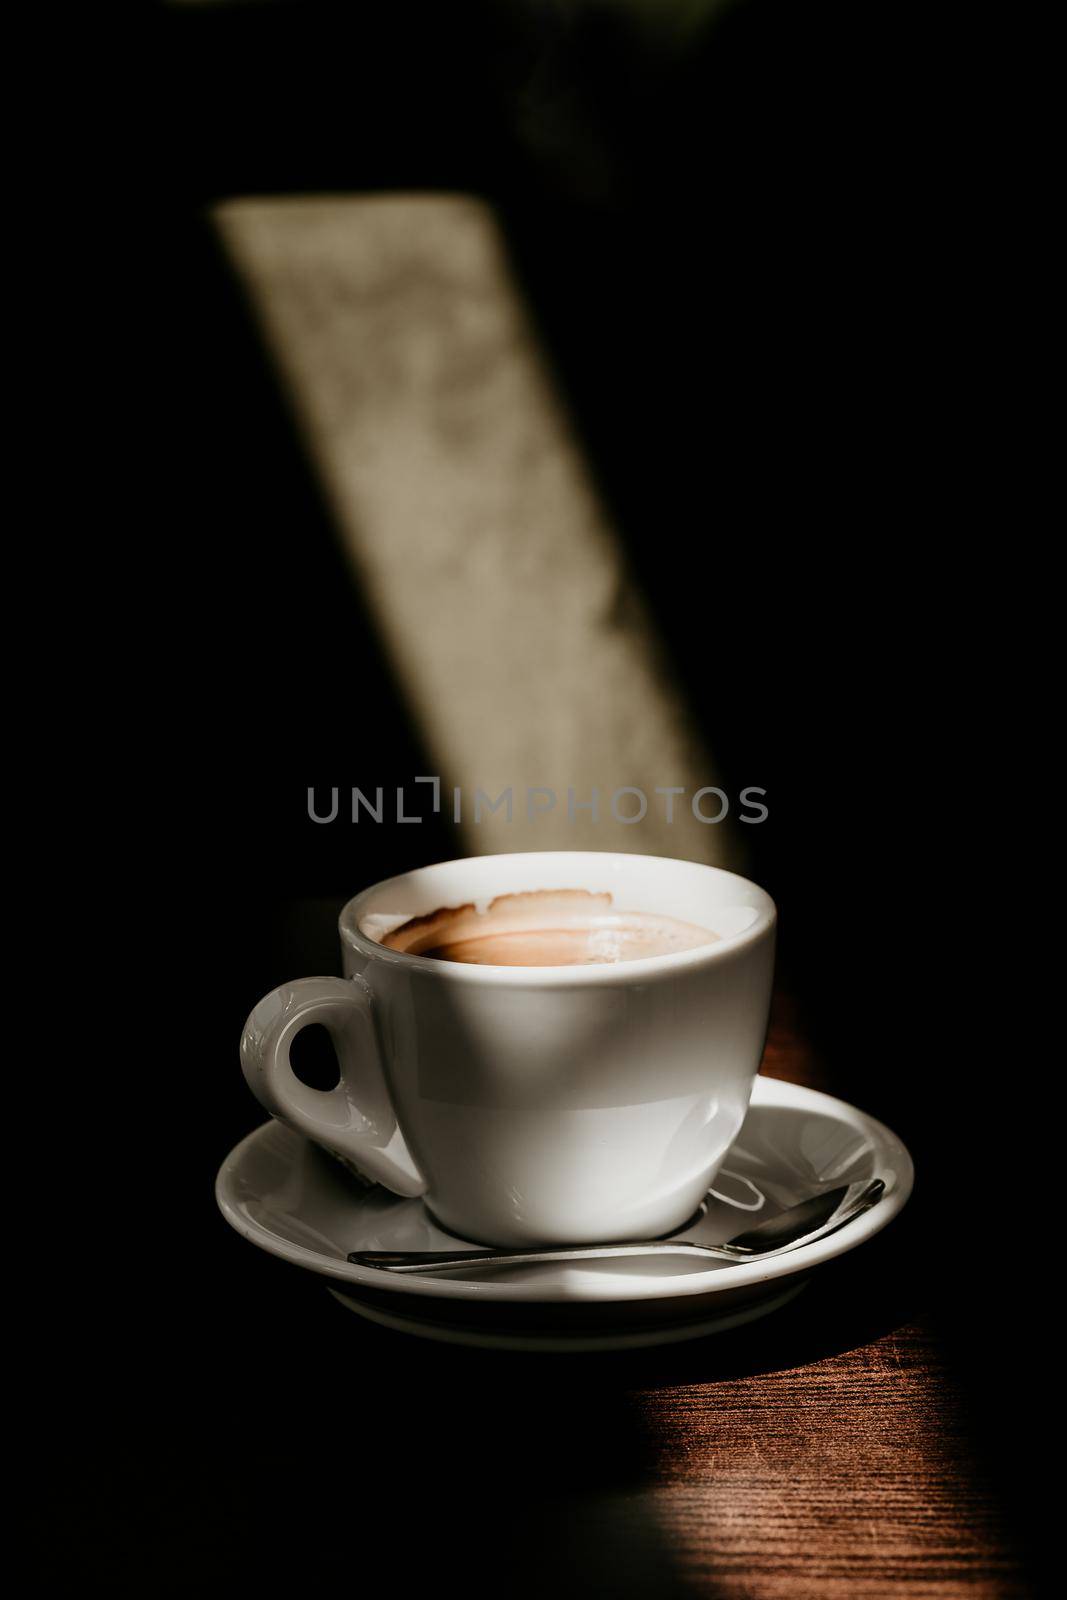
x,y
441,1260
444,1260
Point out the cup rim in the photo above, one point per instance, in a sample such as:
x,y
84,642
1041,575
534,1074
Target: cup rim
x,y
644,969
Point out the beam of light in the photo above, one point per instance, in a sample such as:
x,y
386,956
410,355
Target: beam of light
x,y
523,650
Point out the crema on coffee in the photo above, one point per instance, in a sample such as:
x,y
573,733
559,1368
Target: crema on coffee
x,y
545,928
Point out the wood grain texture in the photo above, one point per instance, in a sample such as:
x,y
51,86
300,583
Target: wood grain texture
x,y
851,1475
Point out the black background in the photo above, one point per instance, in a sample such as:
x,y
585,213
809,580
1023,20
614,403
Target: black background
x,y
760,267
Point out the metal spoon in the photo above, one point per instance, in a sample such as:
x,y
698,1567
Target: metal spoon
x,y
786,1230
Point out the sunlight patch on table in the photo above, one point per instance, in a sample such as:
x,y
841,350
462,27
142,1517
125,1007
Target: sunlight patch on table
x,y
517,637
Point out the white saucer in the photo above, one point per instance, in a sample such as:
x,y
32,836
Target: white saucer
x,y
289,1198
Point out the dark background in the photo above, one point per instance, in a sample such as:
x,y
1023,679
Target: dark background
x,y
754,257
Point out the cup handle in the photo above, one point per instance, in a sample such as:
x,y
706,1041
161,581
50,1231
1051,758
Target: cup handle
x,y
355,1120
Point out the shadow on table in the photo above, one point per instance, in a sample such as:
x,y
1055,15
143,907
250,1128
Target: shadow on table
x,y
847,1304
293,1440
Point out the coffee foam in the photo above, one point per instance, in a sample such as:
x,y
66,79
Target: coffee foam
x,y
544,927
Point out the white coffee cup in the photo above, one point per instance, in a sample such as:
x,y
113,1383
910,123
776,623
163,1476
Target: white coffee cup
x,y
534,1105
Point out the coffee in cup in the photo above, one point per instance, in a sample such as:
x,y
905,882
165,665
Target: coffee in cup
x,y
545,928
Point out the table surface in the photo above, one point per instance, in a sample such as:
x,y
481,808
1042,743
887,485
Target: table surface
x,y
850,1473
263,1434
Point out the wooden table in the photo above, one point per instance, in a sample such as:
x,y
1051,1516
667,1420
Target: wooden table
x,y
254,1432
844,1471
